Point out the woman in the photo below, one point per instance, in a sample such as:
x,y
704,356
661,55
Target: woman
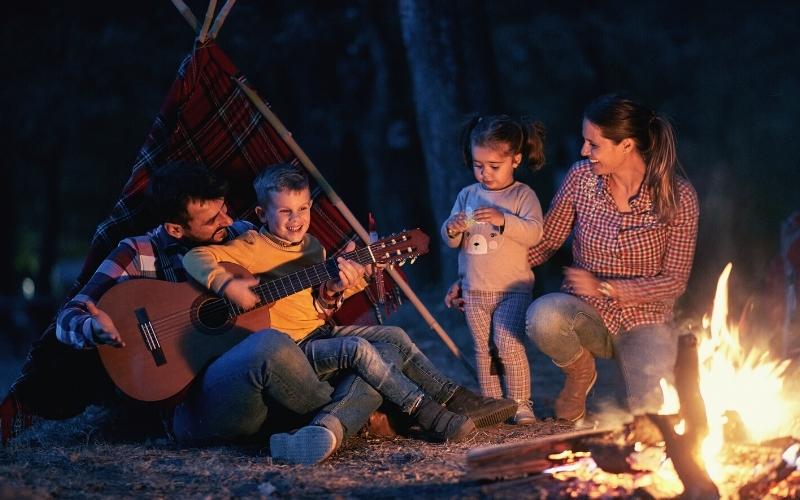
x,y
634,220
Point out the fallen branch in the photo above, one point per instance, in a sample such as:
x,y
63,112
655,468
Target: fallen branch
x,y
529,457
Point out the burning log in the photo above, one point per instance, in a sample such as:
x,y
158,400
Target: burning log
x,y
684,449
531,457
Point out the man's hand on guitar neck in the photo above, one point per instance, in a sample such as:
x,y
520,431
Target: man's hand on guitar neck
x,y
103,330
238,291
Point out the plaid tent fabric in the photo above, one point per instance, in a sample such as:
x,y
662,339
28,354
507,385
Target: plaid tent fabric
x,y
205,119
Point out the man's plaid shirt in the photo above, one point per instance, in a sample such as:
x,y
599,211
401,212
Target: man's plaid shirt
x,y
646,261
155,255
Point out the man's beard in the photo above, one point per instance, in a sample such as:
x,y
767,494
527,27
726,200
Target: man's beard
x,y
194,242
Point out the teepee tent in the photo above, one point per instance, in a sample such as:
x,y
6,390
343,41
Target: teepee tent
x,y
212,116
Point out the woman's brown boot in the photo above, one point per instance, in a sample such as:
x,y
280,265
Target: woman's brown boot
x,y
581,376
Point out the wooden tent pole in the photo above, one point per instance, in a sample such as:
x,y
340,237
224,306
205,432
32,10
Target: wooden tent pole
x,y
212,6
223,14
338,203
187,14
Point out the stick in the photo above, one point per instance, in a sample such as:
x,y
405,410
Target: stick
x,y
684,450
187,14
687,384
223,14
514,459
284,133
212,6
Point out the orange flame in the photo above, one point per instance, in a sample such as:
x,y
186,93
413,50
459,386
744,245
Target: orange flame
x,y
749,383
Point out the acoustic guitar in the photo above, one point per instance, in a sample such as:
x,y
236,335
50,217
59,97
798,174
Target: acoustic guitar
x,y
173,330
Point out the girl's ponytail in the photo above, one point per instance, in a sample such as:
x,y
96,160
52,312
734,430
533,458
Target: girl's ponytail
x,y
532,149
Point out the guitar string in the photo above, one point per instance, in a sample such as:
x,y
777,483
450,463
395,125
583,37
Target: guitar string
x,y
225,304
167,327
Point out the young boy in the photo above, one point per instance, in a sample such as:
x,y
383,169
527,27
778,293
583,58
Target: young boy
x,y
283,246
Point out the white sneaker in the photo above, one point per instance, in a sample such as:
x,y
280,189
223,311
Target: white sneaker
x,y
308,445
524,415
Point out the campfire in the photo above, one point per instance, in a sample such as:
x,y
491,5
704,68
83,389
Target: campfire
x,y
726,429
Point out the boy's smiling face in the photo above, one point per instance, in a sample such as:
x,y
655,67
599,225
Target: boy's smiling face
x,y
288,214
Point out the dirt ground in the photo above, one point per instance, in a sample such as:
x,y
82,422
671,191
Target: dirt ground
x,y
90,457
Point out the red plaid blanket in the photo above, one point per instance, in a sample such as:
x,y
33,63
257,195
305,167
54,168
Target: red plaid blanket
x,y
206,119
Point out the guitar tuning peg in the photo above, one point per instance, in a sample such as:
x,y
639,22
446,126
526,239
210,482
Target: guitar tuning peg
x,y
412,261
402,263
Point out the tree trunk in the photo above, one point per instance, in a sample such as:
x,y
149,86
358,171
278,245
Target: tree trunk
x,y
449,58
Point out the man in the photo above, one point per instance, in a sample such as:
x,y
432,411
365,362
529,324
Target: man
x,y
266,366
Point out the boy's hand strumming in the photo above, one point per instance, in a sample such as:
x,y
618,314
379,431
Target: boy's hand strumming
x,y
238,291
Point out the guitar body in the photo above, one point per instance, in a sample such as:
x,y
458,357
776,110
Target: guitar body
x,y
171,332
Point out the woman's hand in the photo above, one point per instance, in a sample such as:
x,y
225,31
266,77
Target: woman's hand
x,y
491,215
582,282
452,299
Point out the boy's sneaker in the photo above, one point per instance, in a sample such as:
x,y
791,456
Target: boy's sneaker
x,y
440,424
524,415
308,445
482,410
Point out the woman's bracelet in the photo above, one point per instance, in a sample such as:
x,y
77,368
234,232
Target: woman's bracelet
x,y
605,288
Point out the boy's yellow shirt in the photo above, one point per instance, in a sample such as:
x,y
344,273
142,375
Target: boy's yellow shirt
x,y
263,254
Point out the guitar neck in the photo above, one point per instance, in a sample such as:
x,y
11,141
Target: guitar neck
x,y
308,277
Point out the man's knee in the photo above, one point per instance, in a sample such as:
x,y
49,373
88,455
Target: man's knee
x,y
274,347
277,355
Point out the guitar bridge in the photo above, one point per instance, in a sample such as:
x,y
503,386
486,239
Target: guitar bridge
x,y
149,336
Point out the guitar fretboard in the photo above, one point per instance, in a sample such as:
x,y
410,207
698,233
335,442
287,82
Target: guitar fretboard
x,y
278,288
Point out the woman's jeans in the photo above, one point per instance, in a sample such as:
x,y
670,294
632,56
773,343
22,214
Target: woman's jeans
x,y
559,324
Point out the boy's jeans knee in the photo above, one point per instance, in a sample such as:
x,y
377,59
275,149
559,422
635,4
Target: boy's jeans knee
x,y
331,355
391,341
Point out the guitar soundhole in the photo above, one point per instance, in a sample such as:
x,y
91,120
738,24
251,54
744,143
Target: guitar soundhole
x,y
212,314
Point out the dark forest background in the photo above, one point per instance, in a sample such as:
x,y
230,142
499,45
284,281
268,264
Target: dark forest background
x,y
376,91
